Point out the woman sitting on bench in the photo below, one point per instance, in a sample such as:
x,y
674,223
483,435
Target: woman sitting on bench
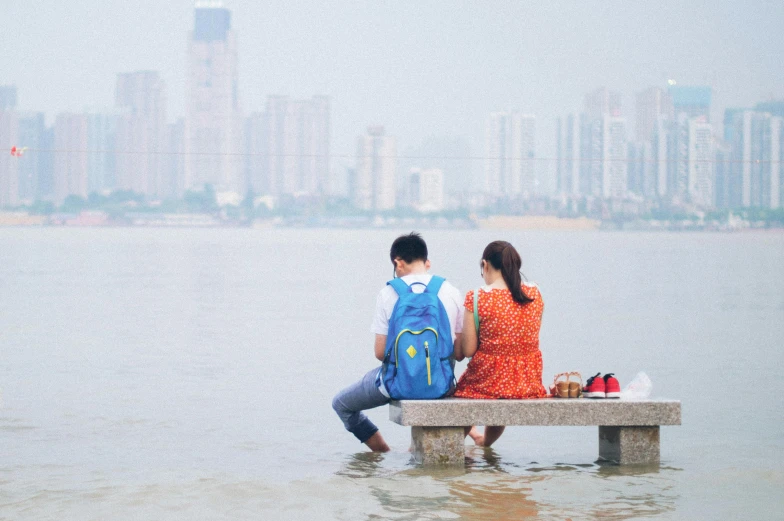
x,y
501,336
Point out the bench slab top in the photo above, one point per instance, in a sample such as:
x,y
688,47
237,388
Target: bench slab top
x,y
455,412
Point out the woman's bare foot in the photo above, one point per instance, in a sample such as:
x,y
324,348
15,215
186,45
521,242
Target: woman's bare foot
x,y
376,443
478,438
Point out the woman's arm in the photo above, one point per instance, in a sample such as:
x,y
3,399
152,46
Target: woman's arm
x,y
469,341
458,346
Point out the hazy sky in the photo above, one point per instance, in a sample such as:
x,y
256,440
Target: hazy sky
x,y
421,68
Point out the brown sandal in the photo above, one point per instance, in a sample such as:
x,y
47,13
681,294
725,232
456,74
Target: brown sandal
x,y
567,388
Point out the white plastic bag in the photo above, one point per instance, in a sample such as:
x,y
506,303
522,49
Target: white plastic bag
x,y
638,389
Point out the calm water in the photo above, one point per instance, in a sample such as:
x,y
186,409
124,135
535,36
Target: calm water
x,y
188,374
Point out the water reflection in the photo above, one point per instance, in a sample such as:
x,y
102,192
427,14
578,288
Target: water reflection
x,y
502,498
492,486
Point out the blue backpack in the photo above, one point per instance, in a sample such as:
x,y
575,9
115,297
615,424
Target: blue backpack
x,y
418,361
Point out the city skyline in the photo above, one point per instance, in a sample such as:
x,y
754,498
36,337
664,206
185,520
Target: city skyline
x,y
286,149
539,60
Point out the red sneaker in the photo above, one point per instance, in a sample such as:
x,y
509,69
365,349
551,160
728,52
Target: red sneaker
x,y
594,387
612,389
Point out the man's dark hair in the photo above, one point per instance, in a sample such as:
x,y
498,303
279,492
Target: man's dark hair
x,y
409,248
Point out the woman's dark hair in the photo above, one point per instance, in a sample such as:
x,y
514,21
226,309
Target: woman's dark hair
x,y
409,248
502,256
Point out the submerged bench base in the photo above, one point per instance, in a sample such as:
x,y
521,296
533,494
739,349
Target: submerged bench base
x,y
445,446
629,445
438,445
628,431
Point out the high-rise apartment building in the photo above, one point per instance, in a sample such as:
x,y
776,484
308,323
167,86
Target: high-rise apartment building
x,y
426,189
102,144
510,143
684,154
373,185
140,132
659,152
592,148
31,130
213,122
651,104
756,155
70,158
614,157
701,156
288,146
603,156
641,179
722,174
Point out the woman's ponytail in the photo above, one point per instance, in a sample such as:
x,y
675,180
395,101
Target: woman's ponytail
x,y
505,258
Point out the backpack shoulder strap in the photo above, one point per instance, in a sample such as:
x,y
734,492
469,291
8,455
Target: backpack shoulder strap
x,y
399,286
434,286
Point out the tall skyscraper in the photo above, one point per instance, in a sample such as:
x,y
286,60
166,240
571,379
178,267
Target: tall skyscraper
x,y
140,131
568,142
691,100
641,169
602,102
9,165
288,146
7,98
496,141
374,180
510,142
521,166
173,171
651,104
70,158
213,123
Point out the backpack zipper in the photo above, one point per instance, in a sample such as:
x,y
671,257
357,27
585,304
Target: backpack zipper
x,y
427,359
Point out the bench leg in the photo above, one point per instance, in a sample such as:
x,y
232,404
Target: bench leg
x,y
629,445
438,445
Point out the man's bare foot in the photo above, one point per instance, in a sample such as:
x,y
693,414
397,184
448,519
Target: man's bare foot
x,y
376,443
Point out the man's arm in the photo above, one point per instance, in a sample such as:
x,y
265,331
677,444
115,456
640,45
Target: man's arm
x,y
380,347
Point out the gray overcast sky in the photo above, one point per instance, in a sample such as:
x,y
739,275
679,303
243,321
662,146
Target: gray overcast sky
x,y
421,68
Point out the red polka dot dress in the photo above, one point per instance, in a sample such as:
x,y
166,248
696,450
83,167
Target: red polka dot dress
x,y
507,363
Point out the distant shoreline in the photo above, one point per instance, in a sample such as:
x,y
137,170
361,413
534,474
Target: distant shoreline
x,y
98,219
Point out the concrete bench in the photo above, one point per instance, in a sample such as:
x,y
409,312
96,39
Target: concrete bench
x,y
628,430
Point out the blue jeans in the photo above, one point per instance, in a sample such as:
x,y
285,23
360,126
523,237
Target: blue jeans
x,y
351,401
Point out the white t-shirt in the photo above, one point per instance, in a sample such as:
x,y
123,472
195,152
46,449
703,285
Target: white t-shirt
x,y
448,295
